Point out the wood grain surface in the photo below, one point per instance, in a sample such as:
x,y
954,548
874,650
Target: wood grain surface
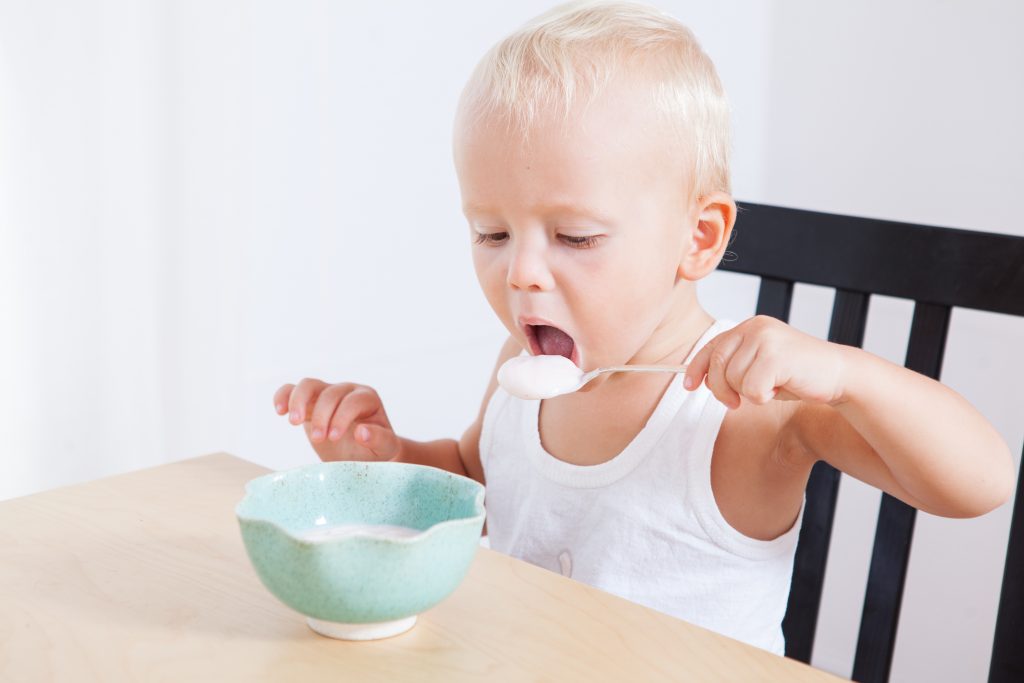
x,y
143,576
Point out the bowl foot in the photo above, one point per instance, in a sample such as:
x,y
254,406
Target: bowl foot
x,y
383,629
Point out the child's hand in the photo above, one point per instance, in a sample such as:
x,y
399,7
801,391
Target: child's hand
x,y
763,358
342,421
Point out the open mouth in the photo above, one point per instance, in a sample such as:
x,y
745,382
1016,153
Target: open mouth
x,y
549,340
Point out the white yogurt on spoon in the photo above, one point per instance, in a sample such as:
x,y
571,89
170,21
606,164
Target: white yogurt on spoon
x,y
533,377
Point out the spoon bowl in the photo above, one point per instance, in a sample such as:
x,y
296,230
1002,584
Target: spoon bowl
x,y
546,376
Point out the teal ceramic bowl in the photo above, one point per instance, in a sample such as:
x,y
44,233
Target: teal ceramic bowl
x,y
361,548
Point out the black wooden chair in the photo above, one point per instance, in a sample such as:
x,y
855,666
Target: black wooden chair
x,y
937,268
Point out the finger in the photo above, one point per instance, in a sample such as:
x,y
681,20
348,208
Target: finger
x,y
323,410
301,401
380,439
721,356
698,366
740,363
357,405
281,398
761,380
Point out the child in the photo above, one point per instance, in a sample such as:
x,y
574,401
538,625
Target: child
x,y
591,148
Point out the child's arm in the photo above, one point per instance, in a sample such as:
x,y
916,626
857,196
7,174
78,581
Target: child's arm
x,y
347,422
893,428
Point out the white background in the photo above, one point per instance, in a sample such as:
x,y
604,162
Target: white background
x,y
202,200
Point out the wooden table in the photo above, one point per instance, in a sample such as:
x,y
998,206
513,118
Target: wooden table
x,y
143,576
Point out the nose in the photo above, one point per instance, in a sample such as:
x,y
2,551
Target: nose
x,y
529,268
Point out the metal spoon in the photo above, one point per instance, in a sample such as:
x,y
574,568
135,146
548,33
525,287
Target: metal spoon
x,y
587,376
547,376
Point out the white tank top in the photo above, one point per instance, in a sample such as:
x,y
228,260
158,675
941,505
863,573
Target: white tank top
x,y
643,525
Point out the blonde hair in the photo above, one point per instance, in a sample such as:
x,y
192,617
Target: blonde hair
x,y
570,52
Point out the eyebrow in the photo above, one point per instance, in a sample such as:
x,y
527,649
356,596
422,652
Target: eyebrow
x,y
561,208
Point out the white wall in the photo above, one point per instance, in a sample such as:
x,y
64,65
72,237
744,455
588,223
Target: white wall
x,y
200,201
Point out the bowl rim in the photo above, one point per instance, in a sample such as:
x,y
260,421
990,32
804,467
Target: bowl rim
x,y
480,512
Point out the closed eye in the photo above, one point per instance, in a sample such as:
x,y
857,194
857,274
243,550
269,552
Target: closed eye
x,y
492,238
575,241
581,242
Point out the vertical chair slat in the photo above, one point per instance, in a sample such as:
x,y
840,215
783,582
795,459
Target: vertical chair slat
x,y
774,298
895,528
849,318
1008,647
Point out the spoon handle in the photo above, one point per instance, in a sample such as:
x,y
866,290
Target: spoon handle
x,y
645,368
630,368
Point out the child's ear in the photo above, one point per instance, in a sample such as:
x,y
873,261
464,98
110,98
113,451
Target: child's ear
x,y
711,225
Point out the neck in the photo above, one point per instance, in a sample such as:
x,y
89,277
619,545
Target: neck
x,y
671,342
682,325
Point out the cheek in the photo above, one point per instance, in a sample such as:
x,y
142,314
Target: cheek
x,y
600,292
626,297
486,268
635,275
491,274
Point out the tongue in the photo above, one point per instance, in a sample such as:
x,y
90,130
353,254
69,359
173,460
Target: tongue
x,y
554,342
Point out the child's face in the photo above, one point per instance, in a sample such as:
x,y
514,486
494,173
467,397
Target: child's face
x,y
583,230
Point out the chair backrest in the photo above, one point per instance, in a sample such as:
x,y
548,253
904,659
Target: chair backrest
x,y
936,268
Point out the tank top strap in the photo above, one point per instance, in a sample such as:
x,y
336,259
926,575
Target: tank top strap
x,y
698,477
495,406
